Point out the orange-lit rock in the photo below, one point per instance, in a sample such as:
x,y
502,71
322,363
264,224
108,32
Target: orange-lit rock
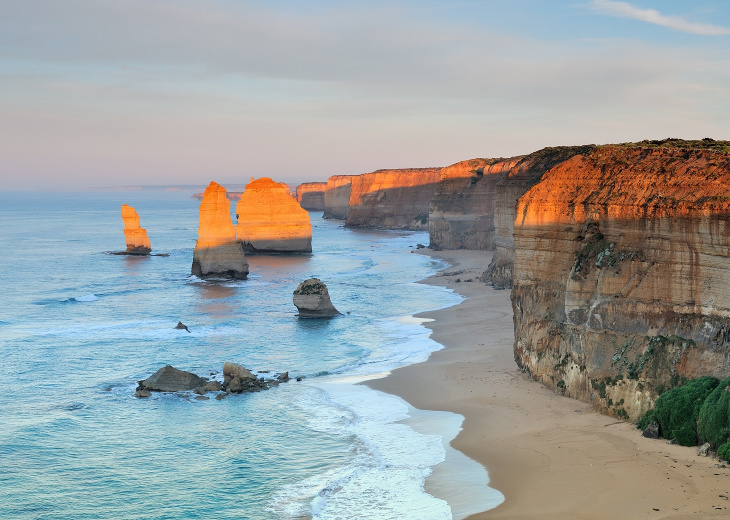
x,y
310,195
271,221
461,215
135,236
621,270
217,252
337,197
527,171
394,199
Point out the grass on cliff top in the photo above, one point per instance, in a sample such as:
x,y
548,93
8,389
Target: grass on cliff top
x,y
701,144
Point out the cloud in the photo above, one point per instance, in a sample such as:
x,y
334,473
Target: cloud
x,y
676,23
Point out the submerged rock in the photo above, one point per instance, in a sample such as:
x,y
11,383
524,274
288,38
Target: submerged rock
x,y
312,299
170,379
135,236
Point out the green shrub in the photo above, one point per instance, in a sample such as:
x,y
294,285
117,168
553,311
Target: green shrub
x,y
677,410
645,420
724,451
714,417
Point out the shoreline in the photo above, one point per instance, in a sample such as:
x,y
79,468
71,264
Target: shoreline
x,y
552,457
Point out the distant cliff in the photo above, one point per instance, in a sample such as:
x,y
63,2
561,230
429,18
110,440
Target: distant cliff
x,y
394,199
461,214
337,197
310,195
621,270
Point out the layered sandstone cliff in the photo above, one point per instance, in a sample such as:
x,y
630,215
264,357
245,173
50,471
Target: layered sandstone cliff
x,y
310,195
135,236
393,199
621,269
461,214
217,252
271,221
337,197
525,173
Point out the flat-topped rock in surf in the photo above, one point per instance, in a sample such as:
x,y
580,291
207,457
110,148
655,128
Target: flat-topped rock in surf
x,y
217,252
271,221
136,237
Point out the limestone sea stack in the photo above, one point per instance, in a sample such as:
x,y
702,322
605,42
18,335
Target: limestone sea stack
x,y
217,252
312,299
271,221
135,236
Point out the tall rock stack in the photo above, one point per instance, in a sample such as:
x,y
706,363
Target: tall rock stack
x,y
135,236
271,221
217,252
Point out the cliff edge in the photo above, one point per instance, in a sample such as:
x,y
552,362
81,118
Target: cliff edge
x,y
621,269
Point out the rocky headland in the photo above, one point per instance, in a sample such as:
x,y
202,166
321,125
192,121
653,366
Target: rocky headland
x,y
621,263
337,197
217,252
310,195
392,199
135,236
461,214
271,221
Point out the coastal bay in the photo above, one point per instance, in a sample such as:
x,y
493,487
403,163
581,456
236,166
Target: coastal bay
x,y
551,456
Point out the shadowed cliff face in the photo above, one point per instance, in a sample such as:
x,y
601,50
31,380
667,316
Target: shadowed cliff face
x,y
310,195
395,199
271,221
462,209
337,196
621,269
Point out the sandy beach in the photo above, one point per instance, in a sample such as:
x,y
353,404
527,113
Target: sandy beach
x,y
552,457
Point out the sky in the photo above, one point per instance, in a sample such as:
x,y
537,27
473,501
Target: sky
x,y
155,92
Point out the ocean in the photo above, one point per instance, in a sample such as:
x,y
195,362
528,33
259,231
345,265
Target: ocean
x,y
79,327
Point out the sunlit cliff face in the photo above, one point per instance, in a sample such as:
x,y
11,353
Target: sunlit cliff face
x,y
621,263
269,219
382,180
136,237
217,252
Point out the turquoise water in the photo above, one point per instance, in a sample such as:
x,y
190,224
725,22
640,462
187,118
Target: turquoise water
x,y
79,328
